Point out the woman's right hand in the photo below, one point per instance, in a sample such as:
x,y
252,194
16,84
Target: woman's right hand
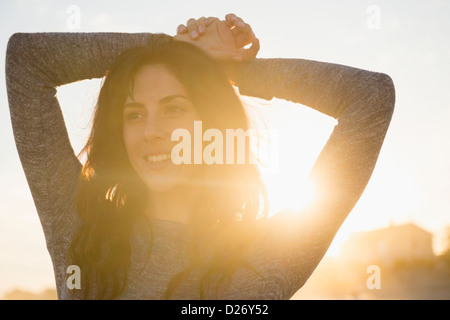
x,y
223,40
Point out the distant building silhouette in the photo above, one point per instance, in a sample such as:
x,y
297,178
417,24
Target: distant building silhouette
x,y
18,294
389,245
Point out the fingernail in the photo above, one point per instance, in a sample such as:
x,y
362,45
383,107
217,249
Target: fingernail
x,y
181,28
201,29
194,34
240,24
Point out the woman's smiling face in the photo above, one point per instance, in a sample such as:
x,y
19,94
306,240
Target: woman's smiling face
x,y
160,105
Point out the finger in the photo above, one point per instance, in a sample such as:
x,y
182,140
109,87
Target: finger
x,y
243,38
254,49
242,31
250,53
241,26
239,23
201,25
210,20
232,20
192,29
181,29
229,19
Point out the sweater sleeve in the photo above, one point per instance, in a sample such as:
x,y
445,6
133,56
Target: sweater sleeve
x,y
36,64
362,102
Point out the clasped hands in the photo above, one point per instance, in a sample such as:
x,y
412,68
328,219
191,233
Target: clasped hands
x,y
223,40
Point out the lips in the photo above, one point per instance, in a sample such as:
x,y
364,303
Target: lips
x,y
158,160
158,157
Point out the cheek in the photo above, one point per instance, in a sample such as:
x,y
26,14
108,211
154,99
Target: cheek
x,y
184,123
188,122
130,140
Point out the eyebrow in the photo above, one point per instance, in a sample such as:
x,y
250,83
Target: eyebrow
x,y
162,101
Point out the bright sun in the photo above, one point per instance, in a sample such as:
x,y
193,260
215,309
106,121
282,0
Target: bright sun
x,y
291,143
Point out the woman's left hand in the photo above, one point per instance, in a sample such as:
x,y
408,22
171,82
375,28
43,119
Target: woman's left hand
x,y
223,40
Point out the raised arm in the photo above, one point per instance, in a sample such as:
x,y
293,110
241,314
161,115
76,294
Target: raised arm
x,y
37,63
363,104
292,244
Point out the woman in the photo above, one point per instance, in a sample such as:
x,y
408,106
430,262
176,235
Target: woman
x,y
140,227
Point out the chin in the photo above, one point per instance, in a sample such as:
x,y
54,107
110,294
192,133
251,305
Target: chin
x,y
169,178
161,184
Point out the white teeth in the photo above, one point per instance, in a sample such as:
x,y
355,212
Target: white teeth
x,y
158,158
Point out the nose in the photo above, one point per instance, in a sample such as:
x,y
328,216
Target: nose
x,y
154,130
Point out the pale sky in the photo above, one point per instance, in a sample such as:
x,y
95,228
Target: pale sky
x,y
408,40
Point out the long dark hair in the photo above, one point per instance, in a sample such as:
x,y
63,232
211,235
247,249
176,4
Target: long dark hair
x,y
111,195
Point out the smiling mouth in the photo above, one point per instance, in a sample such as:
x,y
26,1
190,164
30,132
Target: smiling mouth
x,y
158,161
158,158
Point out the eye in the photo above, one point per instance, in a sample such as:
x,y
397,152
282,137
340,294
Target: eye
x,y
174,109
133,115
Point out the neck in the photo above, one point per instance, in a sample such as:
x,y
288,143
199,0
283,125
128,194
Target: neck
x,y
176,205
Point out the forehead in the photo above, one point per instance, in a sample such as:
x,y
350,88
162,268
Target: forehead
x,y
153,82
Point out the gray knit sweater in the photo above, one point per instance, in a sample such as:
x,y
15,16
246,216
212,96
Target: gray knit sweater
x,y
361,101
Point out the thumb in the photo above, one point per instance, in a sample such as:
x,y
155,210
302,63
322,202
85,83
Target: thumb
x,y
250,53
